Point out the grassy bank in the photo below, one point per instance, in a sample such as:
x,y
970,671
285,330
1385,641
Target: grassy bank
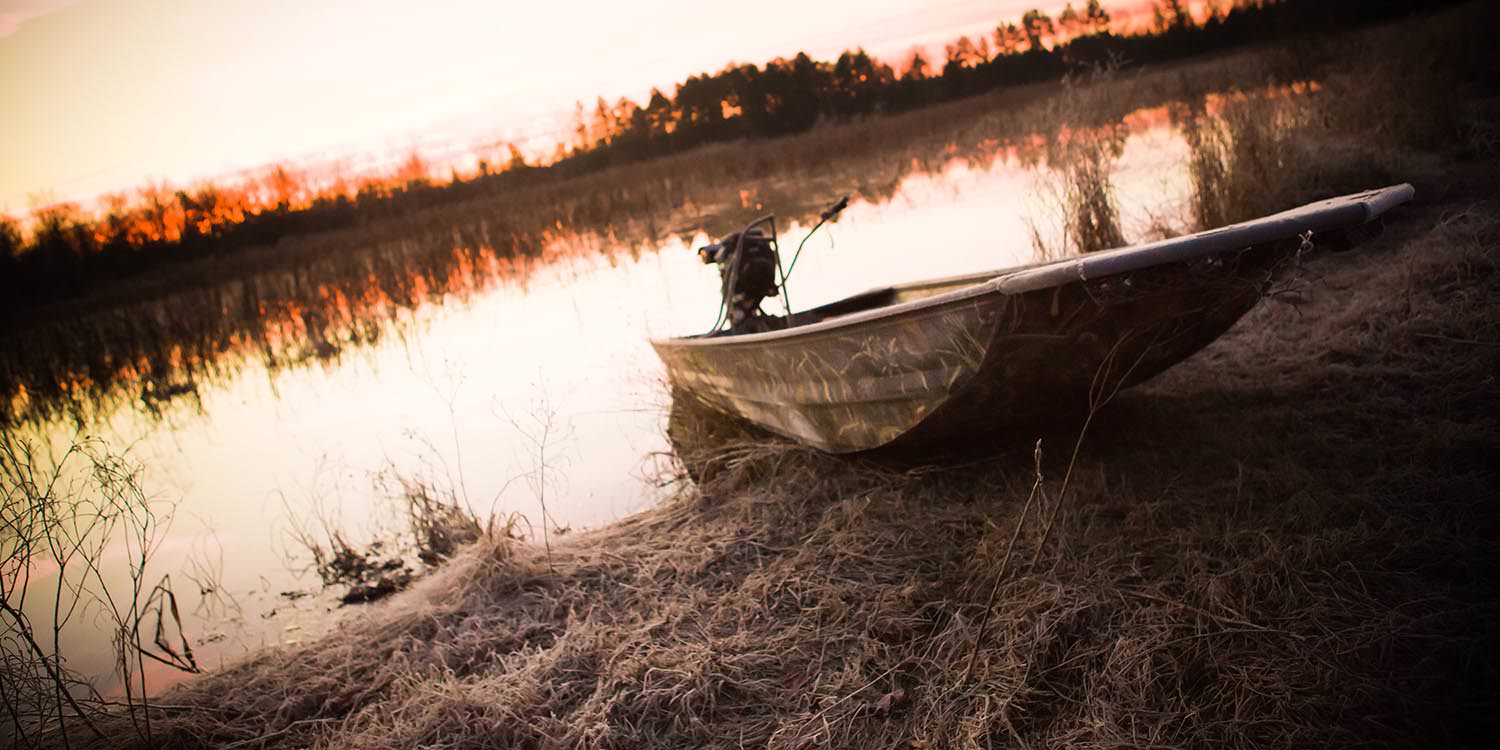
x,y
1287,541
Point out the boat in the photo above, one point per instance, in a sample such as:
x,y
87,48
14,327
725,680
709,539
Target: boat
x,y
919,364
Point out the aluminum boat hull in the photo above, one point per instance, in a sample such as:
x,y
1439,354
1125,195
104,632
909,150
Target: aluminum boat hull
x,y
919,364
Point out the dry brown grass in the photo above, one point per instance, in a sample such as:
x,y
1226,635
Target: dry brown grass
x,y
1288,541
1081,155
1379,106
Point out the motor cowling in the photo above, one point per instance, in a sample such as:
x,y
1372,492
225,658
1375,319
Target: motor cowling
x,y
755,278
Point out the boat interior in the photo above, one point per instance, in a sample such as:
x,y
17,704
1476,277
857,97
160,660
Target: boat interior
x,y
867,300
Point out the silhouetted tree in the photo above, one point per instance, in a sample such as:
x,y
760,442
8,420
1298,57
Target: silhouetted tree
x,y
413,173
1170,15
1037,26
517,159
284,186
982,48
1097,17
916,67
1008,39
10,258
582,138
10,240
605,125
964,53
1069,23
858,83
661,114
156,209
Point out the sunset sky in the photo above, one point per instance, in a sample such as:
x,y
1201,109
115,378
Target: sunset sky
x,y
103,95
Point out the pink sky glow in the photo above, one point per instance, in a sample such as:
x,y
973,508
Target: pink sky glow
x,y
105,95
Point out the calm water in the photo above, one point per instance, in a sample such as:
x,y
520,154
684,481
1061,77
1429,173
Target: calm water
x,y
452,391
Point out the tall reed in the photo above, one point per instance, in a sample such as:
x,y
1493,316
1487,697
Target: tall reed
x,y
1085,140
68,526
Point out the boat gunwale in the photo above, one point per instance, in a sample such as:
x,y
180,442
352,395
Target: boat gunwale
x,y
1326,215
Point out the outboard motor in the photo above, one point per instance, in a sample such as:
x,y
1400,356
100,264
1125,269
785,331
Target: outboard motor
x,y
753,277
750,271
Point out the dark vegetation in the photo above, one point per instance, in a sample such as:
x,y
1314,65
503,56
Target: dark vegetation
x,y
77,534
69,253
437,526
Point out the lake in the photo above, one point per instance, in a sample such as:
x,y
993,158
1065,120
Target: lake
x,y
286,403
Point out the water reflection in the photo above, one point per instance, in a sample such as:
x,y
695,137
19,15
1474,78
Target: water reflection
x,y
313,306
276,395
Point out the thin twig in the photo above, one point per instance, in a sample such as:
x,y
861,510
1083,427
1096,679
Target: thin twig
x,y
1010,546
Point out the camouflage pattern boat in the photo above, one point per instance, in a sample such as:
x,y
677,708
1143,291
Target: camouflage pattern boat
x,y
922,363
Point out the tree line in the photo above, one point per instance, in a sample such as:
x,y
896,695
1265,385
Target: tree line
x,y
68,252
